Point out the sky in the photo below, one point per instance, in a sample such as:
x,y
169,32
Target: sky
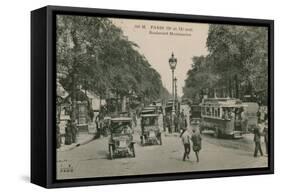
x,y
158,39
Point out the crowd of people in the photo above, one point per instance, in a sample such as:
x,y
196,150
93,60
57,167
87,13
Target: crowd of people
x,y
179,121
71,131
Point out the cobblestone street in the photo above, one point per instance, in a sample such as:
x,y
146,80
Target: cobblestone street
x,y
91,160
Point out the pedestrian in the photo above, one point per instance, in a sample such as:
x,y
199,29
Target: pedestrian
x,y
102,128
259,115
74,131
257,140
97,121
68,134
182,114
164,122
265,133
185,137
91,114
168,123
176,122
244,120
196,140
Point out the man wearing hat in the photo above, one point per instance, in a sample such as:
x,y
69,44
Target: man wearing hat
x,y
257,140
68,133
185,137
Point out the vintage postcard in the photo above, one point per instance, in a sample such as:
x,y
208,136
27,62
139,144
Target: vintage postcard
x,y
139,97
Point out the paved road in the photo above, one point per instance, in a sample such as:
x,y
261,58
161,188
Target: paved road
x,y
90,160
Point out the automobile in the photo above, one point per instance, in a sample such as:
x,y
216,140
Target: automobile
x,y
149,110
150,130
121,142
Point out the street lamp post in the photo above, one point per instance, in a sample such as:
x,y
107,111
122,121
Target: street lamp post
x,y
173,64
176,94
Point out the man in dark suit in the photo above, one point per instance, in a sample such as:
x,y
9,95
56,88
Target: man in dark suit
x,y
257,140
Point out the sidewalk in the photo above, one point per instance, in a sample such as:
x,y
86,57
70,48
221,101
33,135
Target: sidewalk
x,y
82,139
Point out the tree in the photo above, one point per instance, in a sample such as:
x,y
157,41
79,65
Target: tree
x,y
236,63
93,54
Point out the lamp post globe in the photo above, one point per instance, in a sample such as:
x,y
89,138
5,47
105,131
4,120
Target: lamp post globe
x,y
173,62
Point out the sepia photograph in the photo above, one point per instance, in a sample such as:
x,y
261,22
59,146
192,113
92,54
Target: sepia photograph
x,y
141,97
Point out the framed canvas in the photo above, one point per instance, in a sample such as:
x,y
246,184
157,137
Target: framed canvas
x,y
126,96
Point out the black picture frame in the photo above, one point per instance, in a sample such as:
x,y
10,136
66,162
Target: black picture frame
x,y
43,91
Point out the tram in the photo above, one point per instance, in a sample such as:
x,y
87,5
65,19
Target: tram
x,y
224,117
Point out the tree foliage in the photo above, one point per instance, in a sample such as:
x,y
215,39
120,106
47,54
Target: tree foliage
x,y
93,54
236,65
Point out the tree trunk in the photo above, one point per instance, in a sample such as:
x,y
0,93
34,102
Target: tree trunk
x,y
73,96
229,88
236,86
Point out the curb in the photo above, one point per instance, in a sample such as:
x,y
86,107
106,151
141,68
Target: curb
x,y
71,147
